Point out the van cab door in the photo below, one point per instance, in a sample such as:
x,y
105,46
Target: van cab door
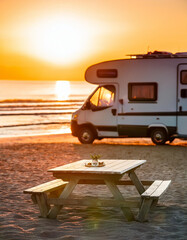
x,y
182,100
102,110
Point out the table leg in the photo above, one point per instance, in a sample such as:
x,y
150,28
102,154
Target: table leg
x,y
139,186
64,195
119,197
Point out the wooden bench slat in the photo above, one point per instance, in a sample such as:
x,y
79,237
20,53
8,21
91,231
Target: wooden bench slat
x,y
161,189
156,189
152,188
46,187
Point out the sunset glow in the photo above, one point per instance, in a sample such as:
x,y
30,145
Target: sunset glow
x,y
56,40
59,40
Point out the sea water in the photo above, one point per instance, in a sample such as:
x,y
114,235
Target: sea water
x,y
39,107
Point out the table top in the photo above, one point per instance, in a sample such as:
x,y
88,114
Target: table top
x,y
112,166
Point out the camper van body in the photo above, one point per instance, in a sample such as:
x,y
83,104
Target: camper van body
x,y
144,97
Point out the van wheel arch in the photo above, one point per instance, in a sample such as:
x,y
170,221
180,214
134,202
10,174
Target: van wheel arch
x,y
158,135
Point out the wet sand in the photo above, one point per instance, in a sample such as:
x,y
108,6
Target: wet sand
x,y
24,162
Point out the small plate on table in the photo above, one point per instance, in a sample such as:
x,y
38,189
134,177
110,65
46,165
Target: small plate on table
x,y
90,164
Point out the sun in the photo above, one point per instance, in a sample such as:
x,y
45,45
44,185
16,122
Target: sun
x,y
62,90
60,39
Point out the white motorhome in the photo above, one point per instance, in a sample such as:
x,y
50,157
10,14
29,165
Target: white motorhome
x,y
144,96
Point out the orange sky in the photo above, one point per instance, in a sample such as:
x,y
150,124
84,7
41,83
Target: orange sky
x,y
59,39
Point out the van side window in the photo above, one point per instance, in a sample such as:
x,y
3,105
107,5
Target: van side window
x,y
184,77
107,73
142,91
103,97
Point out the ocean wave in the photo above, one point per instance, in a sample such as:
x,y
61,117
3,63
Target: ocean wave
x,y
3,106
23,117
35,114
45,108
5,110
35,124
39,101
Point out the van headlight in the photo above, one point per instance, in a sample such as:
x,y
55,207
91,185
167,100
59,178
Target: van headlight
x,y
74,116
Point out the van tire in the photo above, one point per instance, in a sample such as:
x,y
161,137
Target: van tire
x,y
86,135
159,136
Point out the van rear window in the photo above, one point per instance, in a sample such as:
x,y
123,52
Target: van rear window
x,y
142,91
184,77
107,73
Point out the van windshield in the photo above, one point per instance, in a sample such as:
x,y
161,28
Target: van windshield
x,y
103,97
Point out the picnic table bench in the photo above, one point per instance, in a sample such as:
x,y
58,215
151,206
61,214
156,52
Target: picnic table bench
x,y
53,195
41,193
150,197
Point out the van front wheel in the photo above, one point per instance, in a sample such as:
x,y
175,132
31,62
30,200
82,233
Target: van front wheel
x,y
86,136
159,136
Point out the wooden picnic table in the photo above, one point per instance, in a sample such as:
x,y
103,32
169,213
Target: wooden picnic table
x,y
53,195
109,174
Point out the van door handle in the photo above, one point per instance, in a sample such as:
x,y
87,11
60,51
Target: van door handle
x,y
180,109
114,111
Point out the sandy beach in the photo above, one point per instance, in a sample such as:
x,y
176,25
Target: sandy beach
x,y
24,163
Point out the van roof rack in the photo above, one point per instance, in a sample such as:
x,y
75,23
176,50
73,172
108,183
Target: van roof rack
x,y
159,54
